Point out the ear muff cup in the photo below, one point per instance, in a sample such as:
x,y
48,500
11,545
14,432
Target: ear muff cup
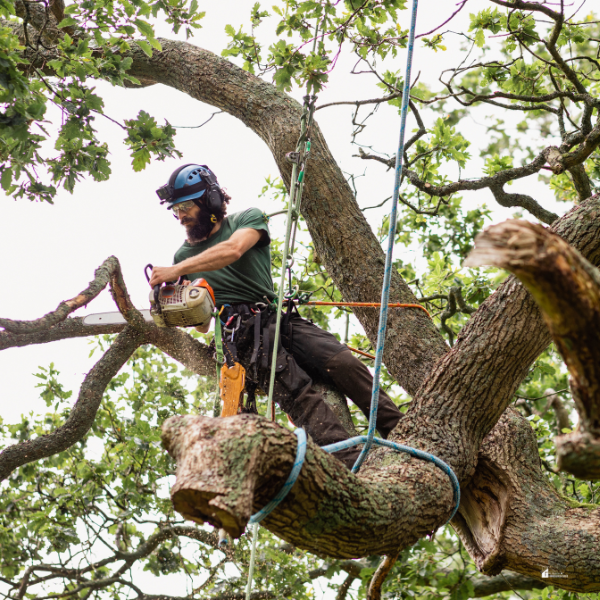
x,y
214,198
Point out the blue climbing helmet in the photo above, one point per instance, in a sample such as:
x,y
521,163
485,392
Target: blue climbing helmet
x,y
192,182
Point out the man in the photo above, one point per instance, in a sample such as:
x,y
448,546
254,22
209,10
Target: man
x,y
232,254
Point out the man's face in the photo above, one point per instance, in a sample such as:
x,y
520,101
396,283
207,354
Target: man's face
x,y
187,212
195,219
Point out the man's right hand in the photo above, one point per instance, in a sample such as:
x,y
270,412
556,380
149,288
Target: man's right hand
x,y
162,274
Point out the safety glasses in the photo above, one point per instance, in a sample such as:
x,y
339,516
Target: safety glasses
x,y
183,206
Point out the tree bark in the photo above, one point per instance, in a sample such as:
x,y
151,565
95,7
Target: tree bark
x,y
227,469
567,289
511,517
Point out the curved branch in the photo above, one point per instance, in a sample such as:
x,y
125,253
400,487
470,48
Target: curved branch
x,y
227,469
524,201
494,182
108,271
82,416
567,289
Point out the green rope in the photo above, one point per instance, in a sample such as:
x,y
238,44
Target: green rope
x,y
293,212
220,362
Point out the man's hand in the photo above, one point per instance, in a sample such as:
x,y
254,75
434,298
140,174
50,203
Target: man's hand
x,y
162,274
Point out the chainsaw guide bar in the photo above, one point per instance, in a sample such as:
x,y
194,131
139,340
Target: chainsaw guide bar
x,y
112,318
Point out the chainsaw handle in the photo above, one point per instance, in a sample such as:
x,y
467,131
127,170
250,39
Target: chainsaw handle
x,y
148,266
156,289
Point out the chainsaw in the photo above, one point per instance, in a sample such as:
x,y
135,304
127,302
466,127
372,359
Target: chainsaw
x,y
171,305
176,305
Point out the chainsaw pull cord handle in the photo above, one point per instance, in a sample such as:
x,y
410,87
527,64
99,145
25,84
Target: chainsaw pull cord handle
x,y
156,289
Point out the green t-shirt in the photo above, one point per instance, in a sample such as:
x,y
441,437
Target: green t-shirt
x,y
245,280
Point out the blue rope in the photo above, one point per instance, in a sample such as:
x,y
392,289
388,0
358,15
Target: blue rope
x,y
438,462
385,292
369,439
291,480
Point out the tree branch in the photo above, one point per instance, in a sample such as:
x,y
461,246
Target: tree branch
x,y
380,575
108,271
358,516
567,289
82,416
512,517
494,182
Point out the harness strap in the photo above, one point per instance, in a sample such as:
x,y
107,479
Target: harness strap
x,y
220,362
256,346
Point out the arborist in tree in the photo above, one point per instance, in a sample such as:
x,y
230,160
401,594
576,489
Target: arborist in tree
x,y
231,252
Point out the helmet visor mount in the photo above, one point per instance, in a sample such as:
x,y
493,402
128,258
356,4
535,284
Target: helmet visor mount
x,y
165,192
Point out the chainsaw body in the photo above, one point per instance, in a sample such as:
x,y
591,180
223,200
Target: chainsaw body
x,y
182,305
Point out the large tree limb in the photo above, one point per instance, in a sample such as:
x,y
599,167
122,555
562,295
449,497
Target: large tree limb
x,y
567,289
227,469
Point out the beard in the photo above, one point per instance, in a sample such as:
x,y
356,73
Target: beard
x,y
199,228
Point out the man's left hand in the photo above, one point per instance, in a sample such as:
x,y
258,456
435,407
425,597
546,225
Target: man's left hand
x,y
162,274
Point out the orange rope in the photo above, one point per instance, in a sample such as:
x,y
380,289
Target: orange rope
x,y
368,304
371,356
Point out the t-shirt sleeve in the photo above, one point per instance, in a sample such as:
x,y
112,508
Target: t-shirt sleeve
x,y
254,218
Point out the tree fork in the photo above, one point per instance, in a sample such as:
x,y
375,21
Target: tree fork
x,y
567,289
511,517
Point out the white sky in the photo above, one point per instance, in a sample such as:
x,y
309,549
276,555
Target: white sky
x,y
49,252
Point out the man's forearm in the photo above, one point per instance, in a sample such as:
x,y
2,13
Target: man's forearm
x,y
213,259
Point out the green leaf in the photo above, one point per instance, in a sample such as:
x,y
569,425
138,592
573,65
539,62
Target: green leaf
x,y
6,179
479,38
67,22
145,46
155,43
145,28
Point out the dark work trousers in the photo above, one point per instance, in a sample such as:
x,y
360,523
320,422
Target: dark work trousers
x,y
306,353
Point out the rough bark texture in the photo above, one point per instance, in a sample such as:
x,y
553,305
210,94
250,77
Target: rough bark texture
x,y
227,469
511,517
567,289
